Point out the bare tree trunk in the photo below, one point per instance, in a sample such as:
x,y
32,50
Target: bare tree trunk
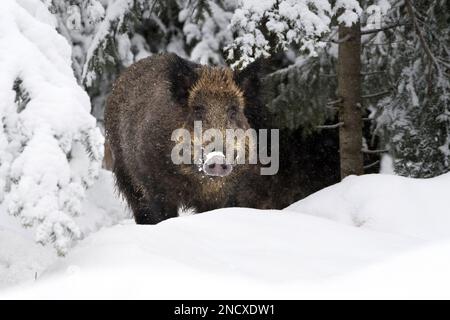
x,y
108,160
349,91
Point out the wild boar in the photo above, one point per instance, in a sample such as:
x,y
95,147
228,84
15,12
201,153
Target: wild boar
x,y
150,100
161,94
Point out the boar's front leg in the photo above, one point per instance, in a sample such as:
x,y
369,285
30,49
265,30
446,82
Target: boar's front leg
x,y
154,210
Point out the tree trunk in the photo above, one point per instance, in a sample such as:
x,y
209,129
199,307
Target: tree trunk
x,y
108,160
349,92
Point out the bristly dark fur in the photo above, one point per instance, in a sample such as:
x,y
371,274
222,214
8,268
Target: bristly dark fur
x,y
157,95
148,102
182,76
249,82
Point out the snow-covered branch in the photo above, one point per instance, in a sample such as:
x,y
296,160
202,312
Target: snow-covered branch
x,y
425,46
50,147
270,25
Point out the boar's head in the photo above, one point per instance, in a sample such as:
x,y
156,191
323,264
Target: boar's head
x,y
221,101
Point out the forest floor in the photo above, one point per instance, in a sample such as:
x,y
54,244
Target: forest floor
x,y
374,236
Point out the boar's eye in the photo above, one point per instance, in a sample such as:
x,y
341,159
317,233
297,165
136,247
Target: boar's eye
x,y
198,112
232,112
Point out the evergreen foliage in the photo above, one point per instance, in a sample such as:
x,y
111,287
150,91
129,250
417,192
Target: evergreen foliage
x,y
415,119
50,146
407,107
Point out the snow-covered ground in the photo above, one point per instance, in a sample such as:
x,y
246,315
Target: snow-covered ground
x,y
21,259
374,236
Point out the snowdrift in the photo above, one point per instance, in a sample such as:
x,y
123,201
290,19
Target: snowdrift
x,y
411,207
21,259
374,236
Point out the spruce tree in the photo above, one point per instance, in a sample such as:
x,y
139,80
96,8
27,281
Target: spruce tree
x,y
414,120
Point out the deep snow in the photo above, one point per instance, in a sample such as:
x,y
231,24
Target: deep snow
x,y
375,236
21,259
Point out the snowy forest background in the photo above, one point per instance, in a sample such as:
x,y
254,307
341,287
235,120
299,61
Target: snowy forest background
x,y
58,60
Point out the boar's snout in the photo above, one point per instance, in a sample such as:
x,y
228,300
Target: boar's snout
x,y
216,166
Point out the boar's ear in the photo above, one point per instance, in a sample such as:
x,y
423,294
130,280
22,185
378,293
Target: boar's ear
x,y
248,81
182,75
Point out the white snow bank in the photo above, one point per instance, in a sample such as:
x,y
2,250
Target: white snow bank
x,y
246,253
411,207
21,259
224,253
418,274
